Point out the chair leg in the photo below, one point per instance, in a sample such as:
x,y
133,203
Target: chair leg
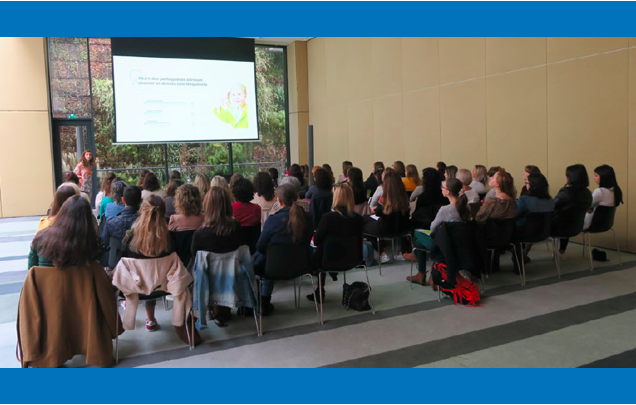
x,y
116,331
295,296
366,273
260,307
618,250
412,260
165,304
555,243
521,260
320,295
379,257
589,249
344,275
313,286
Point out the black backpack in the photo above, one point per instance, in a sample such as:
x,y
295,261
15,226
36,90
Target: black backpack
x,y
356,296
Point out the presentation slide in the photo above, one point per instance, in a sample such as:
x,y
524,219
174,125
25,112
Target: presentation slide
x,y
160,100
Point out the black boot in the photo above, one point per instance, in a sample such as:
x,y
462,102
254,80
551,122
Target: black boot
x,y
268,307
310,297
334,275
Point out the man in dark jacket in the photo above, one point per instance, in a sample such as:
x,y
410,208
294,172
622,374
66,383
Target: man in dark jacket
x,y
117,226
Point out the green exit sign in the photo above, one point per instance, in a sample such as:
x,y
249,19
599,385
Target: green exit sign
x,y
71,116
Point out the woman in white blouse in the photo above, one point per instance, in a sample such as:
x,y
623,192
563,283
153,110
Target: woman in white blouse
x,y
608,193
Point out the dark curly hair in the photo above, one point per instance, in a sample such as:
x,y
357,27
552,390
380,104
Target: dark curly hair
x,y
322,179
243,190
264,185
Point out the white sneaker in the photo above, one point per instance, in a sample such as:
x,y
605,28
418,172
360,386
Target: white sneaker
x,y
399,256
384,258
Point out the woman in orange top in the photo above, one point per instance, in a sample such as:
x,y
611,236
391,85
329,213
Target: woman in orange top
x,y
412,179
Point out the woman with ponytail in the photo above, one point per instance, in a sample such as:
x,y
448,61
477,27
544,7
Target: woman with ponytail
x,y
456,211
149,239
290,225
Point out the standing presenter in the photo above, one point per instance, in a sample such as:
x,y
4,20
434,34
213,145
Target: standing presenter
x,y
84,170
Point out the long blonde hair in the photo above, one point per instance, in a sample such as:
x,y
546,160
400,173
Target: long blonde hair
x,y
219,181
343,199
150,230
202,182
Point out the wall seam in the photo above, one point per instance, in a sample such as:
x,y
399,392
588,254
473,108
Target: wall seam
x,y
629,175
486,99
439,100
547,120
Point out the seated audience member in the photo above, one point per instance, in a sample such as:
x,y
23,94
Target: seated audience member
x,y
117,194
152,187
455,211
265,194
235,177
141,178
536,199
399,168
108,195
62,194
171,190
321,196
491,174
105,189
327,167
290,225
295,171
220,233
219,181
345,167
342,221
608,193
296,184
573,197
429,201
72,178
71,240
273,172
305,170
175,175
202,182
392,213
246,213
354,179
528,170
117,226
412,179
188,211
450,172
375,198
441,168
375,178
479,179
466,178
149,239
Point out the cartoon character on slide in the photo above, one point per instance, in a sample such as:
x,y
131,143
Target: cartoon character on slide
x,y
232,109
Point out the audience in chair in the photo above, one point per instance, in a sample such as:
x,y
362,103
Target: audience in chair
x,y
375,178
354,179
430,200
450,172
188,212
296,185
466,178
346,165
412,179
117,226
265,194
290,225
106,197
608,193
246,213
171,191
63,193
152,187
202,182
117,194
480,179
527,171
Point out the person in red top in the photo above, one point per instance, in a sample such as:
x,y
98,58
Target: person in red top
x,y
246,213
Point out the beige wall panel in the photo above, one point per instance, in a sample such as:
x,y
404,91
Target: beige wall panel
x,y
359,76
420,63
298,137
421,128
318,118
386,54
316,70
26,134
631,184
461,59
338,139
517,121
292,77
567,48
361,147
507,54
387,129
632,41
587,121
297,77
463,123
336,57
22,75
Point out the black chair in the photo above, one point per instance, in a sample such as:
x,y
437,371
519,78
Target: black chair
x,y
114,252
318,207
474,208
497,236
183,245
482,196
602,221
569,224
536,229
456,245
252,233
284,262
392,228
341,254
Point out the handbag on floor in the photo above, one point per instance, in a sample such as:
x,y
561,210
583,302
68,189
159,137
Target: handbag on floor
x,y
356,296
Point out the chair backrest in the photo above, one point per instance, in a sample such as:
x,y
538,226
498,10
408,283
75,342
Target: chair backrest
x,y
286,261
457,241
394,225
570,223
183,245
482,196
474,208
603,219
536,229
498,232
114,252
341,253
318,207
252,233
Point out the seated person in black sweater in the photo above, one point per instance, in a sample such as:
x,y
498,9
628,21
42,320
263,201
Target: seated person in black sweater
x,y
341,221
220,233
354,179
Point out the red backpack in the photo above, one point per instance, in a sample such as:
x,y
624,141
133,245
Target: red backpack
x,y
465,291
